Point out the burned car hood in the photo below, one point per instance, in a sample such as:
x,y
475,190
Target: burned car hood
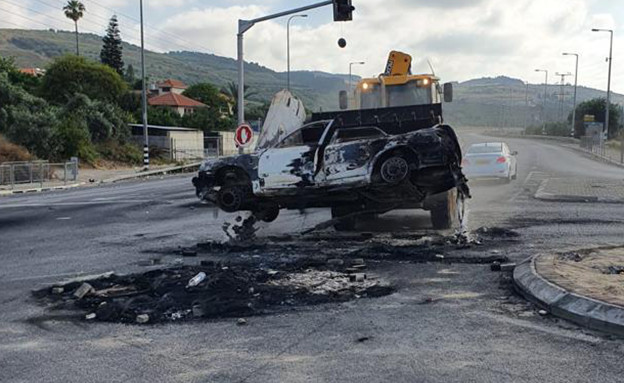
x,y
248,162
285,116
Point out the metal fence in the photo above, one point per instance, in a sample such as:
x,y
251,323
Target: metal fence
x,y
16,173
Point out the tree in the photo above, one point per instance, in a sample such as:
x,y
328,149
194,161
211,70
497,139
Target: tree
x,y
70,75
74,10
112,50
130,76
231,90
596,107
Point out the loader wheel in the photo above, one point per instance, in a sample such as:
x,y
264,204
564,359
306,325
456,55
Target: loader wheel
x,y
346,224
394,169
268,213
231,198
444,210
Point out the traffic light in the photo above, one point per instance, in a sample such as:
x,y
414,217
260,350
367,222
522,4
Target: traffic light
x,y
343,10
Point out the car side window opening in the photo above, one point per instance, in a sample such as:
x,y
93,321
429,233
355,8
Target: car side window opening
x,y
354,134
309,135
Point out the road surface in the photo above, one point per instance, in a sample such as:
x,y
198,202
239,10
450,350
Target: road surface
x,y
479,331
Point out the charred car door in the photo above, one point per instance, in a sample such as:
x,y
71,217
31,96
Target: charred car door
x,y
348,154
290,164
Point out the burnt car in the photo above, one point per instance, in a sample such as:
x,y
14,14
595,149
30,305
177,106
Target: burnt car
x,y
360,162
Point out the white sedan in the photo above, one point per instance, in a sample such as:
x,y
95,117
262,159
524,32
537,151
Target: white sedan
x,y
490,160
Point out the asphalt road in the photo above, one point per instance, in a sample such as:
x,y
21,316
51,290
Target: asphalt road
x,y
477,330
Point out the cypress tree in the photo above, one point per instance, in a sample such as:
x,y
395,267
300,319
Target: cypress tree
x,y
111,53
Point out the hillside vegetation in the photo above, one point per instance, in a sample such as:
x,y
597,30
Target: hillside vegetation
x,y
496,102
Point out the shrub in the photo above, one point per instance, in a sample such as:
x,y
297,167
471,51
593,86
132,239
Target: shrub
x,y
74,135
11,152
115,151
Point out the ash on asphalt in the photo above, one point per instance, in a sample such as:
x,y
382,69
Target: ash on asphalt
x,y
164,295
263,276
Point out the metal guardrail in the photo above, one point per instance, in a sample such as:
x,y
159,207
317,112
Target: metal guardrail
x,y
17,173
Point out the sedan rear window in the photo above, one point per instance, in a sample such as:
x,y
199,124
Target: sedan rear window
x,y
485,149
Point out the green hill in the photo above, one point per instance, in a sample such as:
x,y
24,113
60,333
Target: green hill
x,y
498,102
36,48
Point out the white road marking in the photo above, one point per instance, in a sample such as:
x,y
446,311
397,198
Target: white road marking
x,y
63,218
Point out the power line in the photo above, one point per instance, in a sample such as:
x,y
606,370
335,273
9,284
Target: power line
x,y
88,22
187,45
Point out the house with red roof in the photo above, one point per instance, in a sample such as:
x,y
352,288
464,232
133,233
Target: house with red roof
x,y
170,86
168,94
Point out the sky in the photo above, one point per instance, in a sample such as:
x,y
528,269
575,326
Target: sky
x,y
463,39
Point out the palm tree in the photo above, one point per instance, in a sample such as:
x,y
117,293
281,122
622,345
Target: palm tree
x,y
231,90
74,10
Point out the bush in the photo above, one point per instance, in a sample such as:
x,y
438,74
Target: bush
x,y
74,135
11,152
104,120
70,75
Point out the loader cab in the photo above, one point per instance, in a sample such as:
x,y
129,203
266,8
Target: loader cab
x,y
396,91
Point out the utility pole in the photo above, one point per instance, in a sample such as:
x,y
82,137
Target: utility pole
x,y
144,96
244,26
288,47
572,130
526,106
561,93
544,100
608,106
342,12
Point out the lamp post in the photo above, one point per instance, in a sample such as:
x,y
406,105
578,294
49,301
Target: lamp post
x,y
544,101
144,96
288,46
605,132
576,55
351,64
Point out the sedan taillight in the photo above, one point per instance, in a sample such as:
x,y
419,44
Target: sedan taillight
x,y
501,160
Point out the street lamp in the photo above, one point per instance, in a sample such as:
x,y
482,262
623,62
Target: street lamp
x,y
351,64
606,125
288,45
144,96
576,55
544,101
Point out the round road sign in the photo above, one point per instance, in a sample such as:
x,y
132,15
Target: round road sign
x,y
243,135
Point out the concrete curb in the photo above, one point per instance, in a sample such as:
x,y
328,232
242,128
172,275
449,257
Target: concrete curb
x,y
4,193
584,311
543,195
150,173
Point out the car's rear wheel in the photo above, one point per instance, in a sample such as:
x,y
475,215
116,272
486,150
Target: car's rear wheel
x,y
444,210
345,224
394,169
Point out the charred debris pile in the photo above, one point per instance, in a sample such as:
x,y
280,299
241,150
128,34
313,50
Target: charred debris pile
x,y
210,290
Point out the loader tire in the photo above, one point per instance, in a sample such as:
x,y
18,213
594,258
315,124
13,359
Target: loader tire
x,y
444,210
347,224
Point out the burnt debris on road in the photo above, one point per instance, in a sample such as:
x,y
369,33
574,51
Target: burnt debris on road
x,y
238,279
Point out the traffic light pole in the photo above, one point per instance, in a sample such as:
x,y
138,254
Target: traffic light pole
x,y
244,26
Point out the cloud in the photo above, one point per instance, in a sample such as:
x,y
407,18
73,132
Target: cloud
x,y
463,38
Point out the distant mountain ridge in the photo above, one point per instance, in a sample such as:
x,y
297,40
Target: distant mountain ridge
x,y
489,101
